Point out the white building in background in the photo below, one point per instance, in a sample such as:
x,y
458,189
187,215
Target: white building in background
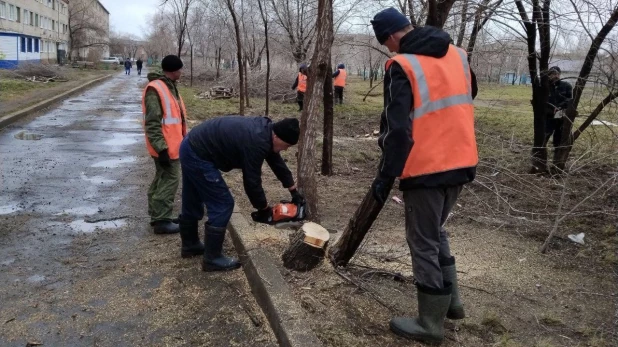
x,y
33,31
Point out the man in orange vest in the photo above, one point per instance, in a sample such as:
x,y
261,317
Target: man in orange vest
x,y
300,84
340,77
165,127
427,140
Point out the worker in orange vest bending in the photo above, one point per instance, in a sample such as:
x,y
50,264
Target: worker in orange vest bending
x,y
340,77
165,127
300,84
427,140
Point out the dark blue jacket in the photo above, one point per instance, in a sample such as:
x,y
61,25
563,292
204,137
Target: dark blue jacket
x,y
560,93
128,64
237,142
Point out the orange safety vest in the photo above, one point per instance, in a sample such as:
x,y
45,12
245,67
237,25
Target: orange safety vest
x,y
172,124
302,83
340,79
442,115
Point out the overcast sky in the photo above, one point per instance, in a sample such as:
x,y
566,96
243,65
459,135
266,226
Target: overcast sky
x,y
130,16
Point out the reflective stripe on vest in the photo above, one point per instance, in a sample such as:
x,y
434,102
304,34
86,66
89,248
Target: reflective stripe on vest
x,y
428,106
340,79
302,83
442,115
172,126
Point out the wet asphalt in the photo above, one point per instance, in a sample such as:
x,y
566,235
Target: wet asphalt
x,y
79,265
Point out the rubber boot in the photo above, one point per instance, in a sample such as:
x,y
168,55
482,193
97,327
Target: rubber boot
x,y
191,244
214,260
428,327
449,274
165,227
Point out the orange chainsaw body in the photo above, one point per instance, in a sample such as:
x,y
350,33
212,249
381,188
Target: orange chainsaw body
x,y
285,212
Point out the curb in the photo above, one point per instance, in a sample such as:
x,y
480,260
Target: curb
x,y
15,116
286,317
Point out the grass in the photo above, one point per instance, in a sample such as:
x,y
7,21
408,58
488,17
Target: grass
x,y
12,88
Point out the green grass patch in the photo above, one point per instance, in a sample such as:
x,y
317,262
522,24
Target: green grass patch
x,y
14,88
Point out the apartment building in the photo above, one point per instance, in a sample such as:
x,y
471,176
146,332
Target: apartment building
x,y
90,27
33,31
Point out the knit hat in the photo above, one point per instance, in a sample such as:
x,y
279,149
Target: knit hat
x,y
554,69
171,63
287,130
388,22
341,66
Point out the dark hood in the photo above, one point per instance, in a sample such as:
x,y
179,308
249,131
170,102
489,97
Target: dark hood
x,y
426,40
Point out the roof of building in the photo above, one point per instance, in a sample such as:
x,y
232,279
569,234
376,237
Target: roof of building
x,y
103,6
567,65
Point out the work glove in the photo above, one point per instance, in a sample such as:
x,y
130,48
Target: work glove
x,y
264,215
164,158
380,189
297,197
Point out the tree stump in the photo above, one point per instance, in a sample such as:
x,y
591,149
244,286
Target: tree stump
x,y
307,247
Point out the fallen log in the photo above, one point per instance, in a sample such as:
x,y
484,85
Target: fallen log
x,y
307,247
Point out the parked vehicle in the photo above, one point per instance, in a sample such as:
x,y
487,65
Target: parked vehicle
x,y
110,60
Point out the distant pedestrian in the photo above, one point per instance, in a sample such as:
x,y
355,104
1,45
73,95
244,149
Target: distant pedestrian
x,y
139,63
300,84
340,77
127,66
165,127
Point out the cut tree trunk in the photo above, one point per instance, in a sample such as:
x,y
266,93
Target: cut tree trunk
x,y
307,247
358,226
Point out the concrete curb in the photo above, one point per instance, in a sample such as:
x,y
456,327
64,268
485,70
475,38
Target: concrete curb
x,y
15,116
286,317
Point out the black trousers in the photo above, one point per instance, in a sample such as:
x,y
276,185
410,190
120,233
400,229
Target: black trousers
x,y
339,95
300,97
553,127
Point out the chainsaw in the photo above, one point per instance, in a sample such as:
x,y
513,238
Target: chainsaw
x,y
287,214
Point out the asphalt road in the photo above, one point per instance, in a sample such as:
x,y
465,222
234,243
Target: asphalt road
x,y
79,265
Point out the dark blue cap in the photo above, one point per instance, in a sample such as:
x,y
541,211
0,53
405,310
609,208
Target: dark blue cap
x,y
388,22
341,66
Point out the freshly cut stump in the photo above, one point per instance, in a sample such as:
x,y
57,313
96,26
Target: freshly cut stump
x,y
307,247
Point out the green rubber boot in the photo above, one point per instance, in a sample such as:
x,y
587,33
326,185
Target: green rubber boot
x,y
449,274
428,327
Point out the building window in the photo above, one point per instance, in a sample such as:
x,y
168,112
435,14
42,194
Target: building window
x,y
53,24
2,9
12,15
23,45
26,17
31,18
36,20
18,12
36,45
29,45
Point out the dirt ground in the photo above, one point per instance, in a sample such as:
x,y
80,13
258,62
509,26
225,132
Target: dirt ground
x,y
513,294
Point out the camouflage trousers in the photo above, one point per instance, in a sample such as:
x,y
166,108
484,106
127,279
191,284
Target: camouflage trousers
x,y
163,191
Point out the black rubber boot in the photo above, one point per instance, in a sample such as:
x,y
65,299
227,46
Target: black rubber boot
x,y
428,327
191,244
214,260
165,227
449,274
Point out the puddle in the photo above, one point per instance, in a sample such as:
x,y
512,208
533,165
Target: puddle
x,y
7,262
96,179
8,209
84,210
35,279
24,135
85,227
113,163
120,141
76,101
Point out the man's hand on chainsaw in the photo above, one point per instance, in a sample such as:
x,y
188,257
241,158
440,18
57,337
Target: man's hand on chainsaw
x,y
297,197
264,215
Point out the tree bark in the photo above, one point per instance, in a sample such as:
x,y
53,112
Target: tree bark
x,y
239,60
327,139
438,11
307,248
309,118
463,24
354,233
247,102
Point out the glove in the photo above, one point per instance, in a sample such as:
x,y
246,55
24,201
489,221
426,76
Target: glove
x,y
297,197
263,216
380,189
164,158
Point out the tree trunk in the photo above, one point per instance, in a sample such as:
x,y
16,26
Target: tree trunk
x,y
307,248
463,24
245,65
313,100
241,79
191,78
327,140
265,20
437,12
358,226
218,63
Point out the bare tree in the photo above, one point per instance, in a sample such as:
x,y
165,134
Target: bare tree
x,y
297,20
239,59
86,27
309,118
264,16
178,15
